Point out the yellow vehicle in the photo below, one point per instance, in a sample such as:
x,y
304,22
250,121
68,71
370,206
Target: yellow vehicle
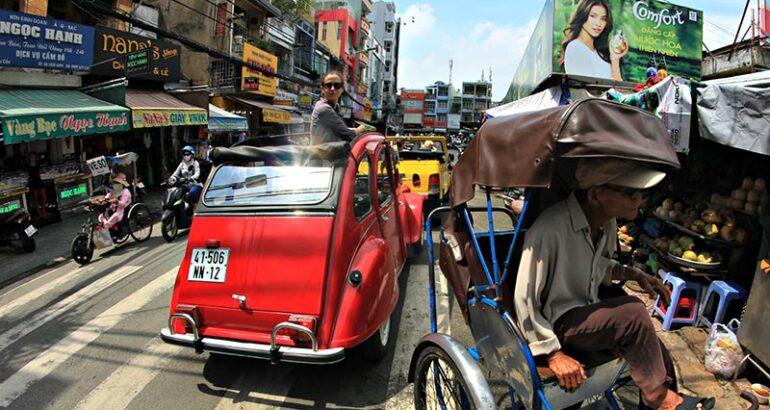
x,y
424,165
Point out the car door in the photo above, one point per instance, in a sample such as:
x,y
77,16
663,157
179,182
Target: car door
x,y
387,207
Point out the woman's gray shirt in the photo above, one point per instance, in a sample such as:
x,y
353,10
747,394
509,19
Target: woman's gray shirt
x,y
327,126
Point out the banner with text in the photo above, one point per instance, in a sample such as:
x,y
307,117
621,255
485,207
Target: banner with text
x,y
112,46
168,118
254,81
40,42
43,127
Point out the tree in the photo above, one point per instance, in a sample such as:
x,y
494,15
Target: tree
x,y
292,10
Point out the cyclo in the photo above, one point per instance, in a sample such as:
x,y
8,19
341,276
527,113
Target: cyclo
x,y
536,151
136,223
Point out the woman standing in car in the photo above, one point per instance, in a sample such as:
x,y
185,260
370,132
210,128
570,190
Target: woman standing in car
x,y
326,125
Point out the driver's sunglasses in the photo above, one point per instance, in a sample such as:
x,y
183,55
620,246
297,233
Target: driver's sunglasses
x,y
332,85
631,193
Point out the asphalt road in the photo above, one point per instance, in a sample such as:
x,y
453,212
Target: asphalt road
x,y
87,338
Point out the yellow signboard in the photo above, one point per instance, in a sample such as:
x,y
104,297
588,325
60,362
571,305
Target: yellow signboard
x,y
277,116
253,81
167,118
367,109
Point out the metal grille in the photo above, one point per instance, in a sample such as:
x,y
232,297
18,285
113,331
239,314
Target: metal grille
x,y
222,74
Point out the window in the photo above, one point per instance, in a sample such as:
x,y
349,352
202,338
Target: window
x,y
389,27
388,46
362,195
324,29
384,182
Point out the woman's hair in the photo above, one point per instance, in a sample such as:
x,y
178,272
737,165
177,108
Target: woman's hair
x,y
579,17
331,72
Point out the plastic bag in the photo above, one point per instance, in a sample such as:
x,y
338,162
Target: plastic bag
x,y
723,352
102,238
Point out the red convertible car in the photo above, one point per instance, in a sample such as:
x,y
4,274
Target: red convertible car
x,y
294,253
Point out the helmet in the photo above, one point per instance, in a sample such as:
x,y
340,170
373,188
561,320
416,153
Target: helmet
x,y
188,148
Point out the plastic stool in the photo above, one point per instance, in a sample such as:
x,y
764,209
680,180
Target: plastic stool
x,y
684,305
724,295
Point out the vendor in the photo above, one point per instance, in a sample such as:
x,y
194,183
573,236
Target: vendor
x,y
566,256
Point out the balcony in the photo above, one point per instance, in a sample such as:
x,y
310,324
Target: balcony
x,y
366,6
361,88
364,26
363,59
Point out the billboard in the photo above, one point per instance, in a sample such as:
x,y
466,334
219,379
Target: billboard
x,y
611,40
254,81
42,42
111,48
621,39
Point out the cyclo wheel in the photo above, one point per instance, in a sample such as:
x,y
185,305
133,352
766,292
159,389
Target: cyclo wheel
x,y
438,384
140,222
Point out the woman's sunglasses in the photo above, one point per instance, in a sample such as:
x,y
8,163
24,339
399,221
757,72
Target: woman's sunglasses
x,y
332,85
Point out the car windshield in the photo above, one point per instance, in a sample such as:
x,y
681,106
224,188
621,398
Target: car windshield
x,y
269,184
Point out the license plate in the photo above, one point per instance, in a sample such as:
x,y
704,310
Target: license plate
x,y
30,230
208,265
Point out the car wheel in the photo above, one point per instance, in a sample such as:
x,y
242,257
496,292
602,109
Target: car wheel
x,y
376,347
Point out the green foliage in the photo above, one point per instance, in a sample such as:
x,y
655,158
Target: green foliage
x,y
292,10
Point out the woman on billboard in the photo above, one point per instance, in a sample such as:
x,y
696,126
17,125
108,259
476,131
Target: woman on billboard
x,y
586,47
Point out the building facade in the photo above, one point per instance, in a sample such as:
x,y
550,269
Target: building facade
x,y
476,98
386,28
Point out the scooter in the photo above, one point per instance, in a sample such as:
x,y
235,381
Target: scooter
x,y
16,230
177,209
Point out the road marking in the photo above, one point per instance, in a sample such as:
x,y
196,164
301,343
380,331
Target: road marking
x,y
53,357
117,391
40,291
28,326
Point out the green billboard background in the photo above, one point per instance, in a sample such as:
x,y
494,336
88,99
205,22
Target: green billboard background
x,y
654,30
535,65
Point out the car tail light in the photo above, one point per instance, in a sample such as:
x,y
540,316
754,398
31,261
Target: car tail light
x,y
297,336
434,183
416,181
183,326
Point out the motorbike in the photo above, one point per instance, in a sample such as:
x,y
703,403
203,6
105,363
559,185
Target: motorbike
x,y
17,231
177,208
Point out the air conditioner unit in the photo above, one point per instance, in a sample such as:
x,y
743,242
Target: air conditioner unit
x,y
237,44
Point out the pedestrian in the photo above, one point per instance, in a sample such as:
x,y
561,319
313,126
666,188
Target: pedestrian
x,y
567,254
326,125
36,186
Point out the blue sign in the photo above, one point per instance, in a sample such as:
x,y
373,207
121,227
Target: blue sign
x,y
41,42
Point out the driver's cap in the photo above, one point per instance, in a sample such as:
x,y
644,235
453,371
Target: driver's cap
x,y
614,171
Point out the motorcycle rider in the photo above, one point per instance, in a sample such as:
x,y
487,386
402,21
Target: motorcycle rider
x,y
190,170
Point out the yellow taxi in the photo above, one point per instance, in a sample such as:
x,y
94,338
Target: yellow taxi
x,y
424,165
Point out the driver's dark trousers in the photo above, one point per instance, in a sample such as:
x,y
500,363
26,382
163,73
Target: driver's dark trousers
x,y
621,326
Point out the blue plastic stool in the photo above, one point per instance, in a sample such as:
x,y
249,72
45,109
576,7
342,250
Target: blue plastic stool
x,y
684,305
727,293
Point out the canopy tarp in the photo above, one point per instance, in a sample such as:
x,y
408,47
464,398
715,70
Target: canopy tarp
x,y
152,108
736,112
545,99
33,115
223,121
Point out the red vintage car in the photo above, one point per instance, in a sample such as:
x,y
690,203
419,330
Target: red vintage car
x,y
294,253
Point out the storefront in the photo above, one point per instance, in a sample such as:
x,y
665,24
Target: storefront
x,y
165,124
264,118
224,126
52,123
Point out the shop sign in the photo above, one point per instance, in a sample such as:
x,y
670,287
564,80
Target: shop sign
x,y
31,128
412,95
284,98
10,206
138,63
642,35
72,193
112,48
305,101
168,118
277,116
98,166
40,42
254,81
367,109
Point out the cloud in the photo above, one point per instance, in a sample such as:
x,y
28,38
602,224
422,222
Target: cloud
x,y
425,52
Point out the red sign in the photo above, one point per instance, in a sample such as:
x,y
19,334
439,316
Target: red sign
x,y
412,95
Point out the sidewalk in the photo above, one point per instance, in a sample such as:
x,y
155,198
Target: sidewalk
x,y
54,241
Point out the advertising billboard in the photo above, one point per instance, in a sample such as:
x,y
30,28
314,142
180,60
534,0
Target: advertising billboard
x,y
111,48
41,42
621,39
254,81
612,40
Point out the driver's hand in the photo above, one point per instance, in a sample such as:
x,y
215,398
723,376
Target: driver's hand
x,y
360,129
568,371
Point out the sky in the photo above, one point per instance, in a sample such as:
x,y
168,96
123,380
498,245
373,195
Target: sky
x,y
484,35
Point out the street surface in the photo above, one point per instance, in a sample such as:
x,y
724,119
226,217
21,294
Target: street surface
x,y
87,338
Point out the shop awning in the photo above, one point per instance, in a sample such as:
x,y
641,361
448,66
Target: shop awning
x,y
151,108
33,115
270,112
223,121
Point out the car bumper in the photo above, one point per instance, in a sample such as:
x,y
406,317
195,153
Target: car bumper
x,y
286,354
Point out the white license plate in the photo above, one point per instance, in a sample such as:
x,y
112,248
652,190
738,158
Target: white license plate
x,y
208,265
30,230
